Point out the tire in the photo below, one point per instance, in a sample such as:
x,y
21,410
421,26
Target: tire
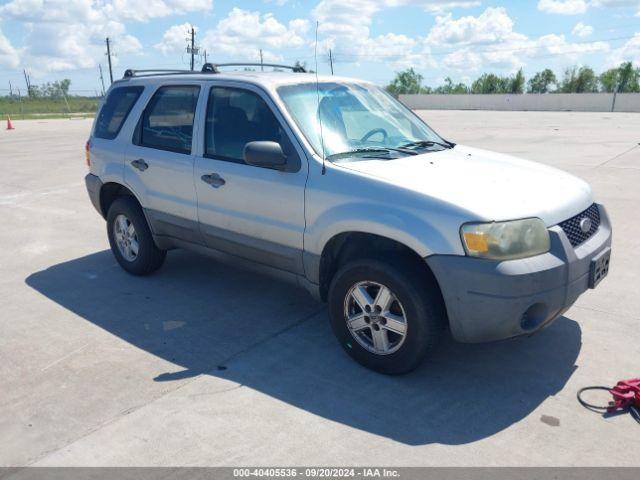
x,y
414,295
148,258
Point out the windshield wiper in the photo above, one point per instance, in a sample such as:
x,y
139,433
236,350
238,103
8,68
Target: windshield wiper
x,y
357,151
428,143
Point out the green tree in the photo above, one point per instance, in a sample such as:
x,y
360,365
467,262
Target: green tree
x,y
579,80
516,84
407,81
491,83
51,90
451,88
63,86
542,81
623,79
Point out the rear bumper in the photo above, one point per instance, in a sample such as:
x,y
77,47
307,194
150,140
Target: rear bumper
x,y
94,184
491,300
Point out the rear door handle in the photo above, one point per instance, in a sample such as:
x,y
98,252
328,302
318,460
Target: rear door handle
x,y
213,179
140,164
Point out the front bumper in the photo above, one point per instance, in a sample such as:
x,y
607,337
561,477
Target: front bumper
x,y
491,300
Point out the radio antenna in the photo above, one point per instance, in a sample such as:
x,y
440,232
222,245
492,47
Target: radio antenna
x,y
315,54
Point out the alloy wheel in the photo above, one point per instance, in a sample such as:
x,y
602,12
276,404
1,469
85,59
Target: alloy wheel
x,y
375,317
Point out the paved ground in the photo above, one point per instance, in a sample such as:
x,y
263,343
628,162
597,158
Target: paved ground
x,y
202,364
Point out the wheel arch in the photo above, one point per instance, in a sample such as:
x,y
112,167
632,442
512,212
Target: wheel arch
x,y
109,192
356,245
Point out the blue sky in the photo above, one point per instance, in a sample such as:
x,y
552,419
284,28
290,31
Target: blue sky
x,y
55,39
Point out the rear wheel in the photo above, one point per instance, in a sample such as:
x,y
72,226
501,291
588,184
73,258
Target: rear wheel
x,y
387,317
130,238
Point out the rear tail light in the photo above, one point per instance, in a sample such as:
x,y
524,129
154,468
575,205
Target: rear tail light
x,y
87,152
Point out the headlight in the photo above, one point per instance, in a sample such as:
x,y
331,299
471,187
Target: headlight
x,y
505,240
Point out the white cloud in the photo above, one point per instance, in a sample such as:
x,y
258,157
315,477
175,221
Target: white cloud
x,y
558,45
442,7
618,4
582,30
69,34
8,55
345,26
629,52
57,46
50,11
243,33
486,40
143,10
492,26
174,39
463,59
563,7
615,3
490,41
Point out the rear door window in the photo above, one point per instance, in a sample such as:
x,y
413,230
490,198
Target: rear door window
x,y
167,122
115,111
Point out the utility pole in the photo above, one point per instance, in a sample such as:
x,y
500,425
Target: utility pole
x,y
193,34
26,80
109,58
261,64
331,61
205,56
10,89
101,78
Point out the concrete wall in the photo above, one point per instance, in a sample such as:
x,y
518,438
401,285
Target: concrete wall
x,y
578,102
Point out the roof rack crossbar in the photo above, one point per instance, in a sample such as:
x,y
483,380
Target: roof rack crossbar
x,y
213,67
153,71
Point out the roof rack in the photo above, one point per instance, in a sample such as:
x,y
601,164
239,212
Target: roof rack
x,y
213,67
207,68
129,73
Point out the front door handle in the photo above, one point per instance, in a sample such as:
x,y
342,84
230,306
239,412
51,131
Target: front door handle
x,y
140,164
213,179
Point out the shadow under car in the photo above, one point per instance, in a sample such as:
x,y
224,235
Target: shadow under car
x,y
210,318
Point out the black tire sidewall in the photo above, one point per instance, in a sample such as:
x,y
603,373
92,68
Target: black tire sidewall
x,y
422,324
149,256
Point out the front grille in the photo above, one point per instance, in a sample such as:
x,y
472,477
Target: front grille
x,y
572,228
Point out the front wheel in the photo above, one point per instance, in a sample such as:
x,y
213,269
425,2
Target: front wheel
x,y
388,318
130,238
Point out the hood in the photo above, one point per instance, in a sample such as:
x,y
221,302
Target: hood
x,y
492,186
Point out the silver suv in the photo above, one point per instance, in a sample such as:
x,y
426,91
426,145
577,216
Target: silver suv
x,y
333,184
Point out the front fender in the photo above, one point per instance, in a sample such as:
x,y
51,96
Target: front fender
x,y
383,220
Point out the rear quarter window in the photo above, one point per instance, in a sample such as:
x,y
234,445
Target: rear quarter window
x,y
115,111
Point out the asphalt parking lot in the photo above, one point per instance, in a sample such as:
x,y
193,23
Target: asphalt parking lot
x,y
204,364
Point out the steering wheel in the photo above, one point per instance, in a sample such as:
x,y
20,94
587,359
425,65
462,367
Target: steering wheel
x,y
373,132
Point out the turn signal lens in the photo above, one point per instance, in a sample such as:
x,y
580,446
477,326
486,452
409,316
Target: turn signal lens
x,y
476,242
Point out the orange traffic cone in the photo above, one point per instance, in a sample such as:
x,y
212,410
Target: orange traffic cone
x,y
9,124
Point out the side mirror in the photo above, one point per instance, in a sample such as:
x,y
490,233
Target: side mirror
x,y
265,154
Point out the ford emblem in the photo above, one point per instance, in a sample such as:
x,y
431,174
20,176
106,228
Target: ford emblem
x,y
585,224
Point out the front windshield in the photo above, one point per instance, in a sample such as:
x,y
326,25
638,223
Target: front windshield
x,y
354,118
